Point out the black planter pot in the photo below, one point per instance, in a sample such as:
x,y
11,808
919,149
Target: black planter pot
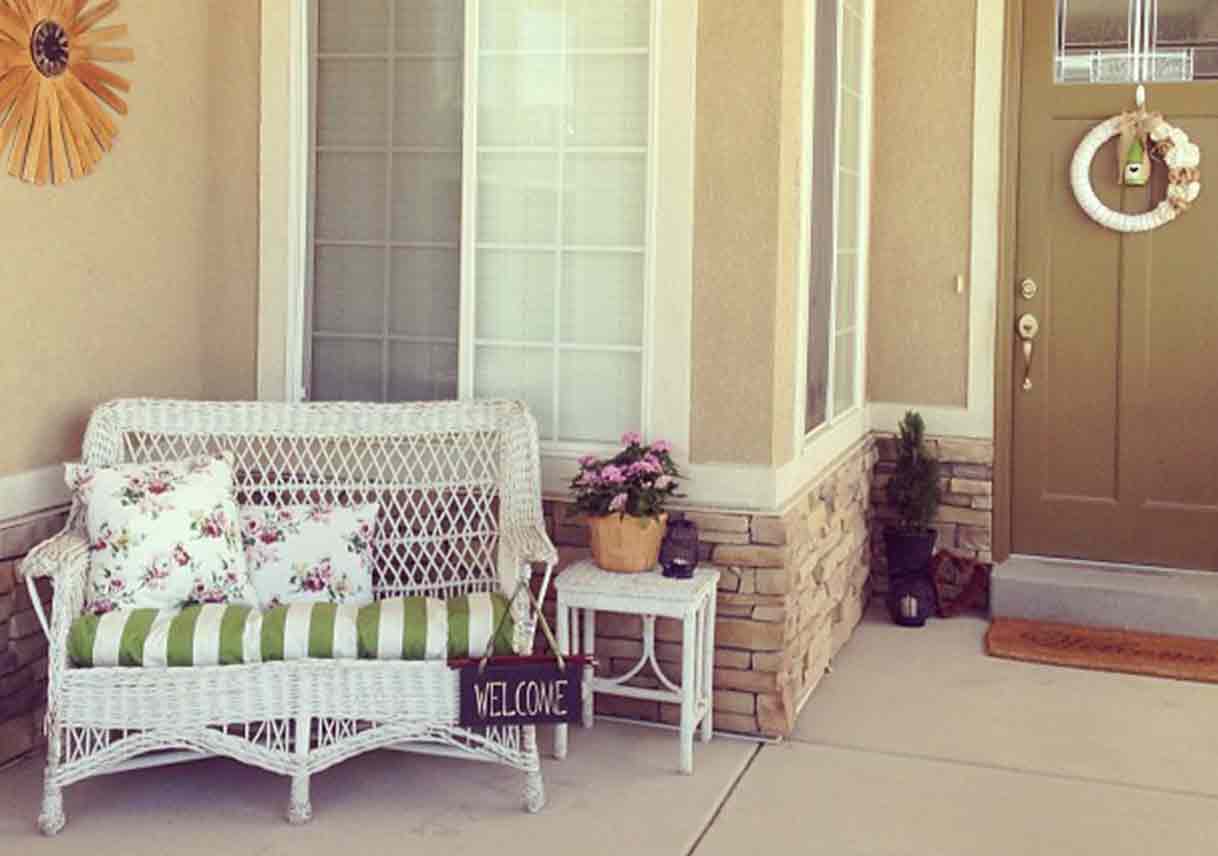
x,y
908,551
911,594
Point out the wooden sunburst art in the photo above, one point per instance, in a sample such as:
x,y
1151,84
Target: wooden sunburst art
x,y
53,125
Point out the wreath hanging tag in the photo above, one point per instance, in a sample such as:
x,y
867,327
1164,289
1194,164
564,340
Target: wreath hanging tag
x,y
1141,133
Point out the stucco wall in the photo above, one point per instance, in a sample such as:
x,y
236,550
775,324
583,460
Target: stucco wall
x,y
746,237
918,325
140,279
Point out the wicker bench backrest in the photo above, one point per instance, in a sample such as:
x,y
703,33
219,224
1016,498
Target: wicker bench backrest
x,y
444,473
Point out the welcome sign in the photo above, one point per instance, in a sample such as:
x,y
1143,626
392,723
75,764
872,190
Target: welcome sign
x,y
522,691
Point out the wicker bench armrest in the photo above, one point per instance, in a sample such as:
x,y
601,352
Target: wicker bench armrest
x,y
65,553
531,543
64,559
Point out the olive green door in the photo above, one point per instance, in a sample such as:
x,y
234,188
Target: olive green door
x,y
1115,441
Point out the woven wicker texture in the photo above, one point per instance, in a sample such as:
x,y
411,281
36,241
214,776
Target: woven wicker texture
x,y
460,494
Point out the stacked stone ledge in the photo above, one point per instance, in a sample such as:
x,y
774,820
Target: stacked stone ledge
x,y
965,518
791,591
23,647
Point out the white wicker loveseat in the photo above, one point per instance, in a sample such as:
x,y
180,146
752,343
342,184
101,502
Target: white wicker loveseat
x,y
459,488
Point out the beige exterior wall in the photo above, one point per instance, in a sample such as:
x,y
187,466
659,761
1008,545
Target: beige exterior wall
x,y
918,336
746,230
140,279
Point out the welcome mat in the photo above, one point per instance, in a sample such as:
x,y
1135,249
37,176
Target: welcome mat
x,y
1177,657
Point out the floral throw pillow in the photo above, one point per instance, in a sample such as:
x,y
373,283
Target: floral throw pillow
x,y
310,553
161,535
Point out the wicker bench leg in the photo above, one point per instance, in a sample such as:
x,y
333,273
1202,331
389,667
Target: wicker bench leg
x,y
301,810
52,819
534,787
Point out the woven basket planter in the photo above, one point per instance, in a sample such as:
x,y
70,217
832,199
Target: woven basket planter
x,y
627,544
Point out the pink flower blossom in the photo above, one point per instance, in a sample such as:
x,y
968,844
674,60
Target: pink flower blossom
x,y
661,447
632,438
587,461
612,475
618,503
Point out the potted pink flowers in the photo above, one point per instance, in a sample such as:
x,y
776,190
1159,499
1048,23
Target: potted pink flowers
x,y
624,499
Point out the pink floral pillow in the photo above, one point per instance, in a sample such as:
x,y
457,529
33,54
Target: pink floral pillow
x,y
161,535
310,553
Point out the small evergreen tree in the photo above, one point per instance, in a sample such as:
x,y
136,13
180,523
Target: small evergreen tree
x,y
914,489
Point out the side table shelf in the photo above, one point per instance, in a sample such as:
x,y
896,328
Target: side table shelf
x,y
583,589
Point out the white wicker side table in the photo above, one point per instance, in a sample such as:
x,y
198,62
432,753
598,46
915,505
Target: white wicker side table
x,y
584,589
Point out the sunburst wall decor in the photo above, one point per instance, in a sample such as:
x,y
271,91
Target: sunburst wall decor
x,y
52,88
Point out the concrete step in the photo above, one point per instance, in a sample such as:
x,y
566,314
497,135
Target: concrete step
x,y
1130,597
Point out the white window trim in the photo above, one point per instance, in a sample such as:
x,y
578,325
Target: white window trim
x,y
842,430
668,322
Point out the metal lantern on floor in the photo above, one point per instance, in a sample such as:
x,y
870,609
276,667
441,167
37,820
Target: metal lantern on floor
x,y
679,552
911,599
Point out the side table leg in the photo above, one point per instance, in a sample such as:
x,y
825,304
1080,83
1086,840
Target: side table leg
x,y
589,651
564,645
689,666
708,666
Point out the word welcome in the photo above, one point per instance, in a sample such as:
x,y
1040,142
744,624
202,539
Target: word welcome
x,y
531,698
520,694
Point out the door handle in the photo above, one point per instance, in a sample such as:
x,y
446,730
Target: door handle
x,y
1027,327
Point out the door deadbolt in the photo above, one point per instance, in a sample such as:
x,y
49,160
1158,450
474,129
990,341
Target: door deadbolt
x,y
1027,326
1028,289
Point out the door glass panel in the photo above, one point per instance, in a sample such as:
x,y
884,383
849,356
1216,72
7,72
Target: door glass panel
x,y
1131,41
1186,40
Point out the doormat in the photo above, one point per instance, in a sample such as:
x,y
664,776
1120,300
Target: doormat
x,y
1106,650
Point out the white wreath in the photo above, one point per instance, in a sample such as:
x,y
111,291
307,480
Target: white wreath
x,y
1169,144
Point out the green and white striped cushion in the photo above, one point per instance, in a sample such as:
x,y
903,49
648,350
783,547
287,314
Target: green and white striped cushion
x,y
214,635
429,628
411,628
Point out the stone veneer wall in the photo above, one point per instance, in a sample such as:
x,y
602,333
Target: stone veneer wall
x,y
23,648
793,587
965,517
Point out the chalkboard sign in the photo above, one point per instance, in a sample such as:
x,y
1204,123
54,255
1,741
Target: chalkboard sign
x,y
522,691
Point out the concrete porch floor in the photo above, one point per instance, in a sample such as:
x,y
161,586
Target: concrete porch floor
x,y
916,744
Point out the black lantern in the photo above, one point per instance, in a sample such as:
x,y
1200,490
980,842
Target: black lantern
x,y
679,552
911,599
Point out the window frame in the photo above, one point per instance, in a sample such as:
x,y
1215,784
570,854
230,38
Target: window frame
x,y
285,228
839,429
467,339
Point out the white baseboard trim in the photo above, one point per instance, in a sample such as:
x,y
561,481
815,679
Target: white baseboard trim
x,y
32,491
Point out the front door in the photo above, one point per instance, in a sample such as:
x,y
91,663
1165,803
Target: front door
x,y
1115,441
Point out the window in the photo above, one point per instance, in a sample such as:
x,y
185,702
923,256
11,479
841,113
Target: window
x,y
838,212
480,222
1132,41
